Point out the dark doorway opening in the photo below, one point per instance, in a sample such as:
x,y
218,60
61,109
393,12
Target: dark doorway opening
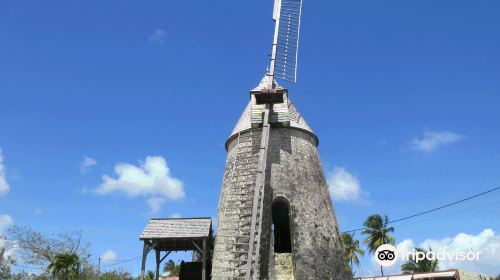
x,y
265,98
281,227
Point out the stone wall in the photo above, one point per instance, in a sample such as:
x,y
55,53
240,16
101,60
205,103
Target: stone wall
x,y
283,266
235,212
294,172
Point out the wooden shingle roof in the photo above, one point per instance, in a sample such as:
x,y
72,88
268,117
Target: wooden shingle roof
x,y
177,228
296,120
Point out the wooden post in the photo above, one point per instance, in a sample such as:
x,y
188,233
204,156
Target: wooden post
x,y
204,260
2,251
145,252
157,276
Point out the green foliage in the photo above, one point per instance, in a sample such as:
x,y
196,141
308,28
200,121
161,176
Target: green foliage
x,y
5,271
65,266
424,265
5,262
115,275
171,268
150,275
26,276
378,233
36,248
65,257
351,250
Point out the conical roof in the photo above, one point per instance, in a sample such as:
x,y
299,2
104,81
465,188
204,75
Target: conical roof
x,y
296,119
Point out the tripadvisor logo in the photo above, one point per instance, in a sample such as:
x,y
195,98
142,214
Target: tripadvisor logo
x,y
421,255
387,255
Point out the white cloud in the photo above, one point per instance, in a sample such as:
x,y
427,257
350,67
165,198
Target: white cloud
x,y
433,140
159,36
5,222
11,247
109,256
175,215
345,186
87,163
486,242
151,179
4,186
155,204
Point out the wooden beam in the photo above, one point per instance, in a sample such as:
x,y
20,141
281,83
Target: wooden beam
x,y
157,274
197,247
145,252
168,253
204,260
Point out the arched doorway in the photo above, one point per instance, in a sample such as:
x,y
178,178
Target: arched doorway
x,y
281,226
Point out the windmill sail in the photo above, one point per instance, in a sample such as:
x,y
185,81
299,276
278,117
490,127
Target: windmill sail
x,y
287,15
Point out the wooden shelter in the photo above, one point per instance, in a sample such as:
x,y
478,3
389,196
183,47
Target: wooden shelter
x,y
177,234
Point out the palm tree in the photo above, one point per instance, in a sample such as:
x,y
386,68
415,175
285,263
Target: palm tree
x,y
378,233
65,266
351,250
171,268
150,275
425,265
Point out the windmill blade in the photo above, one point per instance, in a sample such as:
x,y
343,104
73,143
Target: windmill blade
x,y
287,14
277,5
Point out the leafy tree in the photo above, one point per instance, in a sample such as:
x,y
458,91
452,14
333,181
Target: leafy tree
x,y
65,266
5,271
150,275
425,265
36,248
64,254
115,275
171,268
378,233
351,250
5,263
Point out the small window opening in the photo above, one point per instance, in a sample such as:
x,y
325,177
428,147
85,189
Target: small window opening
x,y
281,227
265,98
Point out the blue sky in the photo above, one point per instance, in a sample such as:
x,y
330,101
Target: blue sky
x,y
403,96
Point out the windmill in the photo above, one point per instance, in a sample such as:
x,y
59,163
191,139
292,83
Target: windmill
x,y
276,218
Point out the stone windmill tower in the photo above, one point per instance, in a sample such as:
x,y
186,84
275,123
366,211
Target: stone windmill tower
x,y
276,219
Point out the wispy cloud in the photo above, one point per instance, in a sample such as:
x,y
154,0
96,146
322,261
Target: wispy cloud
x,y
344,186
11,246
159,36
109,256
151,179
175,215
4,186
86,164
5,222
155,204
433,140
